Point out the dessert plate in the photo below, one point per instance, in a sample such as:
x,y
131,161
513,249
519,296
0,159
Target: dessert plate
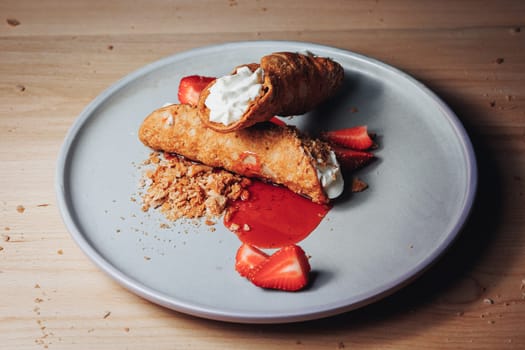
x,y
370,244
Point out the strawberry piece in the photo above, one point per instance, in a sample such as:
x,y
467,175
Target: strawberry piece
x,y
190,88
248,257
350,159
287,269
356,137
277,121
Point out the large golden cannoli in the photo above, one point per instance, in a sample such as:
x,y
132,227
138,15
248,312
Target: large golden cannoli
x,y
267,151
291,84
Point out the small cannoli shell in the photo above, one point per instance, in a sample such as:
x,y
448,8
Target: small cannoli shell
x,y
273,153
293,84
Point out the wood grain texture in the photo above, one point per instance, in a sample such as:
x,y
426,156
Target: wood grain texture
x,y
61,55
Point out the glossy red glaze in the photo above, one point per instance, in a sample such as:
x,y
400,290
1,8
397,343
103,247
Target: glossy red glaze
x,y
273,216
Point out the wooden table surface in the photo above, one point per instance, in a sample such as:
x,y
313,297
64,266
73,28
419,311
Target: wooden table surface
x,y
56,56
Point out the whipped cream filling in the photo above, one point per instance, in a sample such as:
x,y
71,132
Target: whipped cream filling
x,y
230,95
329,174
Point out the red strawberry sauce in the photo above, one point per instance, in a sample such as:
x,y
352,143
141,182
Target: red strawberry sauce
x,y
273,216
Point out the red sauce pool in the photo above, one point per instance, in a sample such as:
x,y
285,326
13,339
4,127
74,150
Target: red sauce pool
x,y
273,216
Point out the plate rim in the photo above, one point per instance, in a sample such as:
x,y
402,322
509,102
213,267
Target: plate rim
x,y
343,305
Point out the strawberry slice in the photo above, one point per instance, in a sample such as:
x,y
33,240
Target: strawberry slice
x,y
287,269
248,257
190,88
356,137
350,159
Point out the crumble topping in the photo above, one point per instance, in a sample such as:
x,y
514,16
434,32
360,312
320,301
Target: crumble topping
x,y
319,150
358,185
180,188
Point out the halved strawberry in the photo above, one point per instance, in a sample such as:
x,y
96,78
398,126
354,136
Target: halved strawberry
x,y
350,159
190,88
356,137
287,269
248,257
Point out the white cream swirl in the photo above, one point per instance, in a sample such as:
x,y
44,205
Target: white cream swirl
x,y
329,174
230,95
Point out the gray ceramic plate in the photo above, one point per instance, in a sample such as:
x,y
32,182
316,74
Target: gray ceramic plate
x,y
371,244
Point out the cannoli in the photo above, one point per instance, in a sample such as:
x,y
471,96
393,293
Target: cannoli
x,y
277,154
283,84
